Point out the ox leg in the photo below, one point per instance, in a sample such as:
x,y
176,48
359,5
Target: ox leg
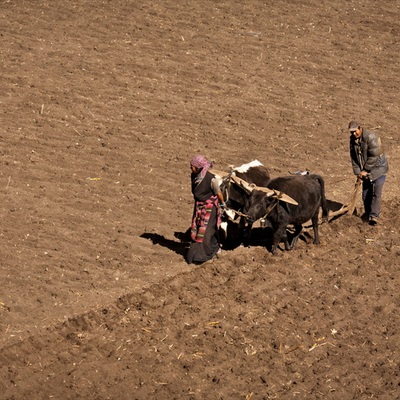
x,y
288,246
245,232
280,232
314,221
297,230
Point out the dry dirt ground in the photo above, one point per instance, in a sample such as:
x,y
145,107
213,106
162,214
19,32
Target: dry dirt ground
x,y
102,105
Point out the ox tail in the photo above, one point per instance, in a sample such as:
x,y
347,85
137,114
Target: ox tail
x,y
324,204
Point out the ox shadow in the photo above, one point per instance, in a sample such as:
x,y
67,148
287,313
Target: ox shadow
x,y
334,206
263,237
260,236
179,247
234,237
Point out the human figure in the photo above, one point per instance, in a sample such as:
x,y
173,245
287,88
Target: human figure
x,y
371,165
208,200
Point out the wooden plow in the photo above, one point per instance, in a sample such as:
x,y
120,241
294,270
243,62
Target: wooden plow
x,y
350,205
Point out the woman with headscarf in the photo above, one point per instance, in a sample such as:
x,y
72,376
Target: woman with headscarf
x,y
206,219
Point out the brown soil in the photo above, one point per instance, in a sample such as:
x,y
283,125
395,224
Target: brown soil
x,y
102,105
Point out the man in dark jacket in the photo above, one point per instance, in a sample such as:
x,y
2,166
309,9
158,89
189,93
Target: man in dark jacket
x,y
371,165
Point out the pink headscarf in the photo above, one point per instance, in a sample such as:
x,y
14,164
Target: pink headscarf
x,y
200,161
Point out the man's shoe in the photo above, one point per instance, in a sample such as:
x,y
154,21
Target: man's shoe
x,y
373,221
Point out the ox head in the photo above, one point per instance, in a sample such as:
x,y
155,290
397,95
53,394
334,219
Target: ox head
x,y
261,202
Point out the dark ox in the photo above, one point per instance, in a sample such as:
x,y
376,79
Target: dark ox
x,y
236,196
307,190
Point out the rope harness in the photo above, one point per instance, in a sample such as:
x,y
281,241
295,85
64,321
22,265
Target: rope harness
x,y
269,210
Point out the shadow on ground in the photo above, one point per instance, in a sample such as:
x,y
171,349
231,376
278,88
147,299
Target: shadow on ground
x,y
180,247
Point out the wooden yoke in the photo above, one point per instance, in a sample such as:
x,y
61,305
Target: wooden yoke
x,y
249,187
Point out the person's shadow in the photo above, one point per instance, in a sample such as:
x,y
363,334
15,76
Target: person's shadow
x,y
180,246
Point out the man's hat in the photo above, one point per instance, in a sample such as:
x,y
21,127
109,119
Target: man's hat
x,y
353,126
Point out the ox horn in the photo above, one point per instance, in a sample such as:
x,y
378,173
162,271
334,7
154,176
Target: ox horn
x,y
284,197
249,187
279,195
220,174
